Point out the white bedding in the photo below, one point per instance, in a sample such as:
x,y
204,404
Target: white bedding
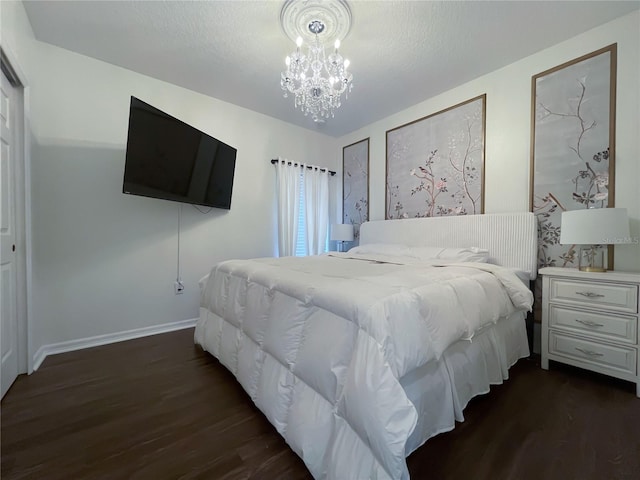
x,y
322,345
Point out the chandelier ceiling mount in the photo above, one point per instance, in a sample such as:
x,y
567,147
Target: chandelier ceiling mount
x,y
316,27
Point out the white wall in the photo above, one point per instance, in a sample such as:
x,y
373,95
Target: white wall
x,y
16,34
105,262
508,127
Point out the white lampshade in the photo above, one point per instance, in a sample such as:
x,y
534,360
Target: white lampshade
x,y
342,232
595,226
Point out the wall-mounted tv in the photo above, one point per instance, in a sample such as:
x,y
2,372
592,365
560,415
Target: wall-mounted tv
x,y
168,159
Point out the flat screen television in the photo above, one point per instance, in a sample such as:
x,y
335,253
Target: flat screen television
x,y
169,159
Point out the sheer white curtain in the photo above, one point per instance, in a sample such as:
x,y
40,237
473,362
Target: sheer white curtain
x,y
288,187
316,202
303,208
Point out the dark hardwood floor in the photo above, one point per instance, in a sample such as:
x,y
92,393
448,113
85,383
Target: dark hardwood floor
x,y
160,408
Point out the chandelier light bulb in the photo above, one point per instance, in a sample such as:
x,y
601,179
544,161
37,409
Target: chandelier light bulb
x,y
346,64
337,44
287,60
299,42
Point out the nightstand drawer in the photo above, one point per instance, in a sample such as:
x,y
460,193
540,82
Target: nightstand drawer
x,y
613,296
610,357
607,326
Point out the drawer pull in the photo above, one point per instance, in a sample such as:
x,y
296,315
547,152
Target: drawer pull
x,y
589,323
590,353
590,294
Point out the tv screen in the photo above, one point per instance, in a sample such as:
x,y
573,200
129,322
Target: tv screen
x,y
168,159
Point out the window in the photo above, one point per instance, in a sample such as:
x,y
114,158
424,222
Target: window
x,y
301,241
308,191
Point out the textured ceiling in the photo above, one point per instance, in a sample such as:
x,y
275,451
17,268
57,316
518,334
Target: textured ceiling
x,y
401,52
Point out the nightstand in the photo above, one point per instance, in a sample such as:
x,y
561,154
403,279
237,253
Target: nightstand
x,y
590,320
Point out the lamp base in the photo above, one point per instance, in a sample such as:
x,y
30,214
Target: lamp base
x,y
592,269
591,258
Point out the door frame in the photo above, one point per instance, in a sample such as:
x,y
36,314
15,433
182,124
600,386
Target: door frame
x,y
24,310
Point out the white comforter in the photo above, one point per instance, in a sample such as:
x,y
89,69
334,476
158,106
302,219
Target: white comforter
x,y
320,344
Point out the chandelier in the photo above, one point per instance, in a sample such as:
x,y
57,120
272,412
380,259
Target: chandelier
x,y
317,80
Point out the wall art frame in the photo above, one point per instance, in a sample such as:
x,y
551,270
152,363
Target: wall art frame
x,y
572,150
435,165
355,185
572,147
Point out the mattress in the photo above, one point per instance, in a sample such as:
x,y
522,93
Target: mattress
x,y
356,362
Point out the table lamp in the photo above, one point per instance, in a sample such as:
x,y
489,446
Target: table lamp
x,y
341,232
590,229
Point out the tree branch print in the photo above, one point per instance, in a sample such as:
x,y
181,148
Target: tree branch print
x,y
587,177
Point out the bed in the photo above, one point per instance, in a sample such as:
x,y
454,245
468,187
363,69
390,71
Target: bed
x,y
358,358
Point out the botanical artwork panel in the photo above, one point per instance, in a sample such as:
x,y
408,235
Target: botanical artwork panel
x,y
355,185
573,151
435,165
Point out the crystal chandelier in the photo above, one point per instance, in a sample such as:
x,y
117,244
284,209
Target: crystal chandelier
x,y
316,80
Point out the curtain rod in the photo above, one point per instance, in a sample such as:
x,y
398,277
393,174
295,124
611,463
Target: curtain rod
x,y
275,160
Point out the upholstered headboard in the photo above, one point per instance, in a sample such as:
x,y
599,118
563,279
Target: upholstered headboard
x,y
511,238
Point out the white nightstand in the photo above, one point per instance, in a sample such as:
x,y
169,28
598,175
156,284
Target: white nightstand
x,y
590,320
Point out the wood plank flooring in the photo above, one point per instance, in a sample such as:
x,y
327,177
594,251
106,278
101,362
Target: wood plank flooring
x,y
160,408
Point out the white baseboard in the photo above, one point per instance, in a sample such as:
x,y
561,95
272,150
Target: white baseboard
x,y
98,340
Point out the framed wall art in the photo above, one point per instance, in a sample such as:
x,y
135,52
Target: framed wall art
x,y
572,150
355,185
572,147
435,165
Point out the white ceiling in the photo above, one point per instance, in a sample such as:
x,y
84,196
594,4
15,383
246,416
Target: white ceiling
x,y
401,52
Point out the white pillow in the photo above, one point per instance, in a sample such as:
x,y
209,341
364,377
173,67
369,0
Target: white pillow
x,y
466,254
394,249
469,254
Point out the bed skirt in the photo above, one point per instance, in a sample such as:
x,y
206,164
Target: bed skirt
x,y
440,391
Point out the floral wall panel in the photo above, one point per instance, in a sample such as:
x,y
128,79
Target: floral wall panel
x,y
355,185
573,134
435,165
